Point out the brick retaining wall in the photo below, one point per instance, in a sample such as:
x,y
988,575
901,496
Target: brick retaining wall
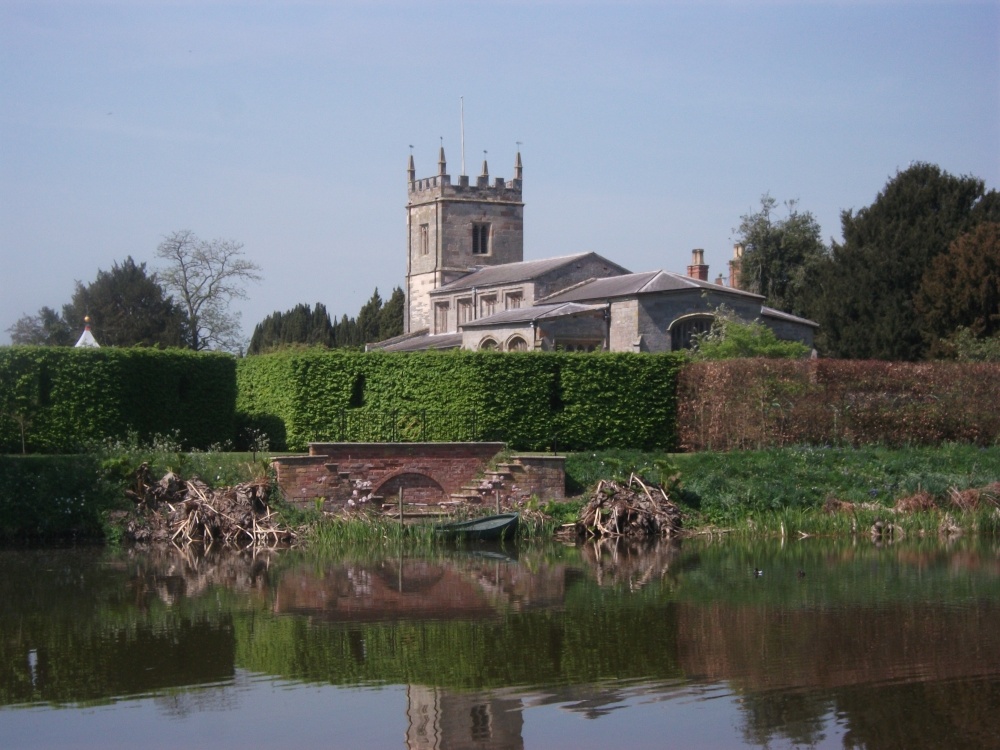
x,y
334,474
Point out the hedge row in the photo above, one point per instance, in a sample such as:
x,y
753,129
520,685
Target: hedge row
x,y
756,403
62,399
532,401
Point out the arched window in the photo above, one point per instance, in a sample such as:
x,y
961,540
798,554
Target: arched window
x,y
488,345
683,329
517,344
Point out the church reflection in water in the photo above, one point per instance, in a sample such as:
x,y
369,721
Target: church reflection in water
x,y
440,719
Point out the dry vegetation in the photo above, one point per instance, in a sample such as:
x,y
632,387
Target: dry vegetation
x,y
632,509
185,512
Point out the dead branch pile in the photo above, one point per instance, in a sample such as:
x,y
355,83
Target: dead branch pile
x,y
186,512
633,509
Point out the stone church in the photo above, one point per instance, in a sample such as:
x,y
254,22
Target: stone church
x,y
468,285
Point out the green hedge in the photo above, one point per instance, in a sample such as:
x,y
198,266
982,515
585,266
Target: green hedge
x,y
67,398
532,401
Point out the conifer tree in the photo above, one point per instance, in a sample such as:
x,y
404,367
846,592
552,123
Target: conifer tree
x,y
864,292
307,326
961,289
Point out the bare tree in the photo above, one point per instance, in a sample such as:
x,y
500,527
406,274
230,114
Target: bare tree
x,y
207,276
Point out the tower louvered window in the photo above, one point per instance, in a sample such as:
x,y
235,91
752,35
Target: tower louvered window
x,y
480,239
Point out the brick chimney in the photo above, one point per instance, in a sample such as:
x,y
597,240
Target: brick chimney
x,y
735,265
698,269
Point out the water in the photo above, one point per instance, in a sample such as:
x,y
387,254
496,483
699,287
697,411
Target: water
x,y
834,644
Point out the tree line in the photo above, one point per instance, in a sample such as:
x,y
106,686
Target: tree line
x,y
916,277
307,326
187,304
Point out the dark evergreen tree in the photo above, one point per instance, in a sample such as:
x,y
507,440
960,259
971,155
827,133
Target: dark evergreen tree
x,y
302,325
368,319
127,307
778,252
313,327
390,321
863,294
961,289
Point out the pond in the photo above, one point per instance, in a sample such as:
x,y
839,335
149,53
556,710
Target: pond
x,y
833,644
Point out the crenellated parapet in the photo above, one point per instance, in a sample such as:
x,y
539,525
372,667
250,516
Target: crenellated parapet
x,y
480,188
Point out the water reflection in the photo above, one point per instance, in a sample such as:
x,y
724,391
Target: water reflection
x,y
875,647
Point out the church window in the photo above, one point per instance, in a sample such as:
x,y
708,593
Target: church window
x,y
480,239
425,239
441,317
512,301
464,311
487,305
517,344
488,345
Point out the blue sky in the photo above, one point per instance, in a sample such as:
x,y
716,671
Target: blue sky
x,y
647,128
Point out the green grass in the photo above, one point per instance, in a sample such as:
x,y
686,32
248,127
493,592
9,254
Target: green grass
x,y
763,489
754,492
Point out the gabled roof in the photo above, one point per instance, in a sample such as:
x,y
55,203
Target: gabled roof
x,y
531,314
633,284
513,273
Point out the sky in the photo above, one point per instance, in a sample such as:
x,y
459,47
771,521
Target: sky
x,y
646,129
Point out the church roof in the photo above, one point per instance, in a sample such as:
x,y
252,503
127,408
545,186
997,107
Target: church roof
x,y
633,284
513,273
423,341
531,314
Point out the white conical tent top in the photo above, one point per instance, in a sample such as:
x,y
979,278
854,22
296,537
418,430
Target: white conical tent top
x,y
87,338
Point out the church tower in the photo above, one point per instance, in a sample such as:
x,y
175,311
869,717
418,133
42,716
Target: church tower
x,y
451,229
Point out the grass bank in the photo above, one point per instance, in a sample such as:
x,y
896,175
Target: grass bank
x,y
788,490
776,491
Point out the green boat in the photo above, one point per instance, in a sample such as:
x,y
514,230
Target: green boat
x,y
488,528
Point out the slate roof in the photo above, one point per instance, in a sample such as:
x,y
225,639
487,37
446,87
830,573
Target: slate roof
x,y
425,341
770,312
634,284
512,273
529,314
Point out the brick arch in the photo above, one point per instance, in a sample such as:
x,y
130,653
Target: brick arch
x,y
417,487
